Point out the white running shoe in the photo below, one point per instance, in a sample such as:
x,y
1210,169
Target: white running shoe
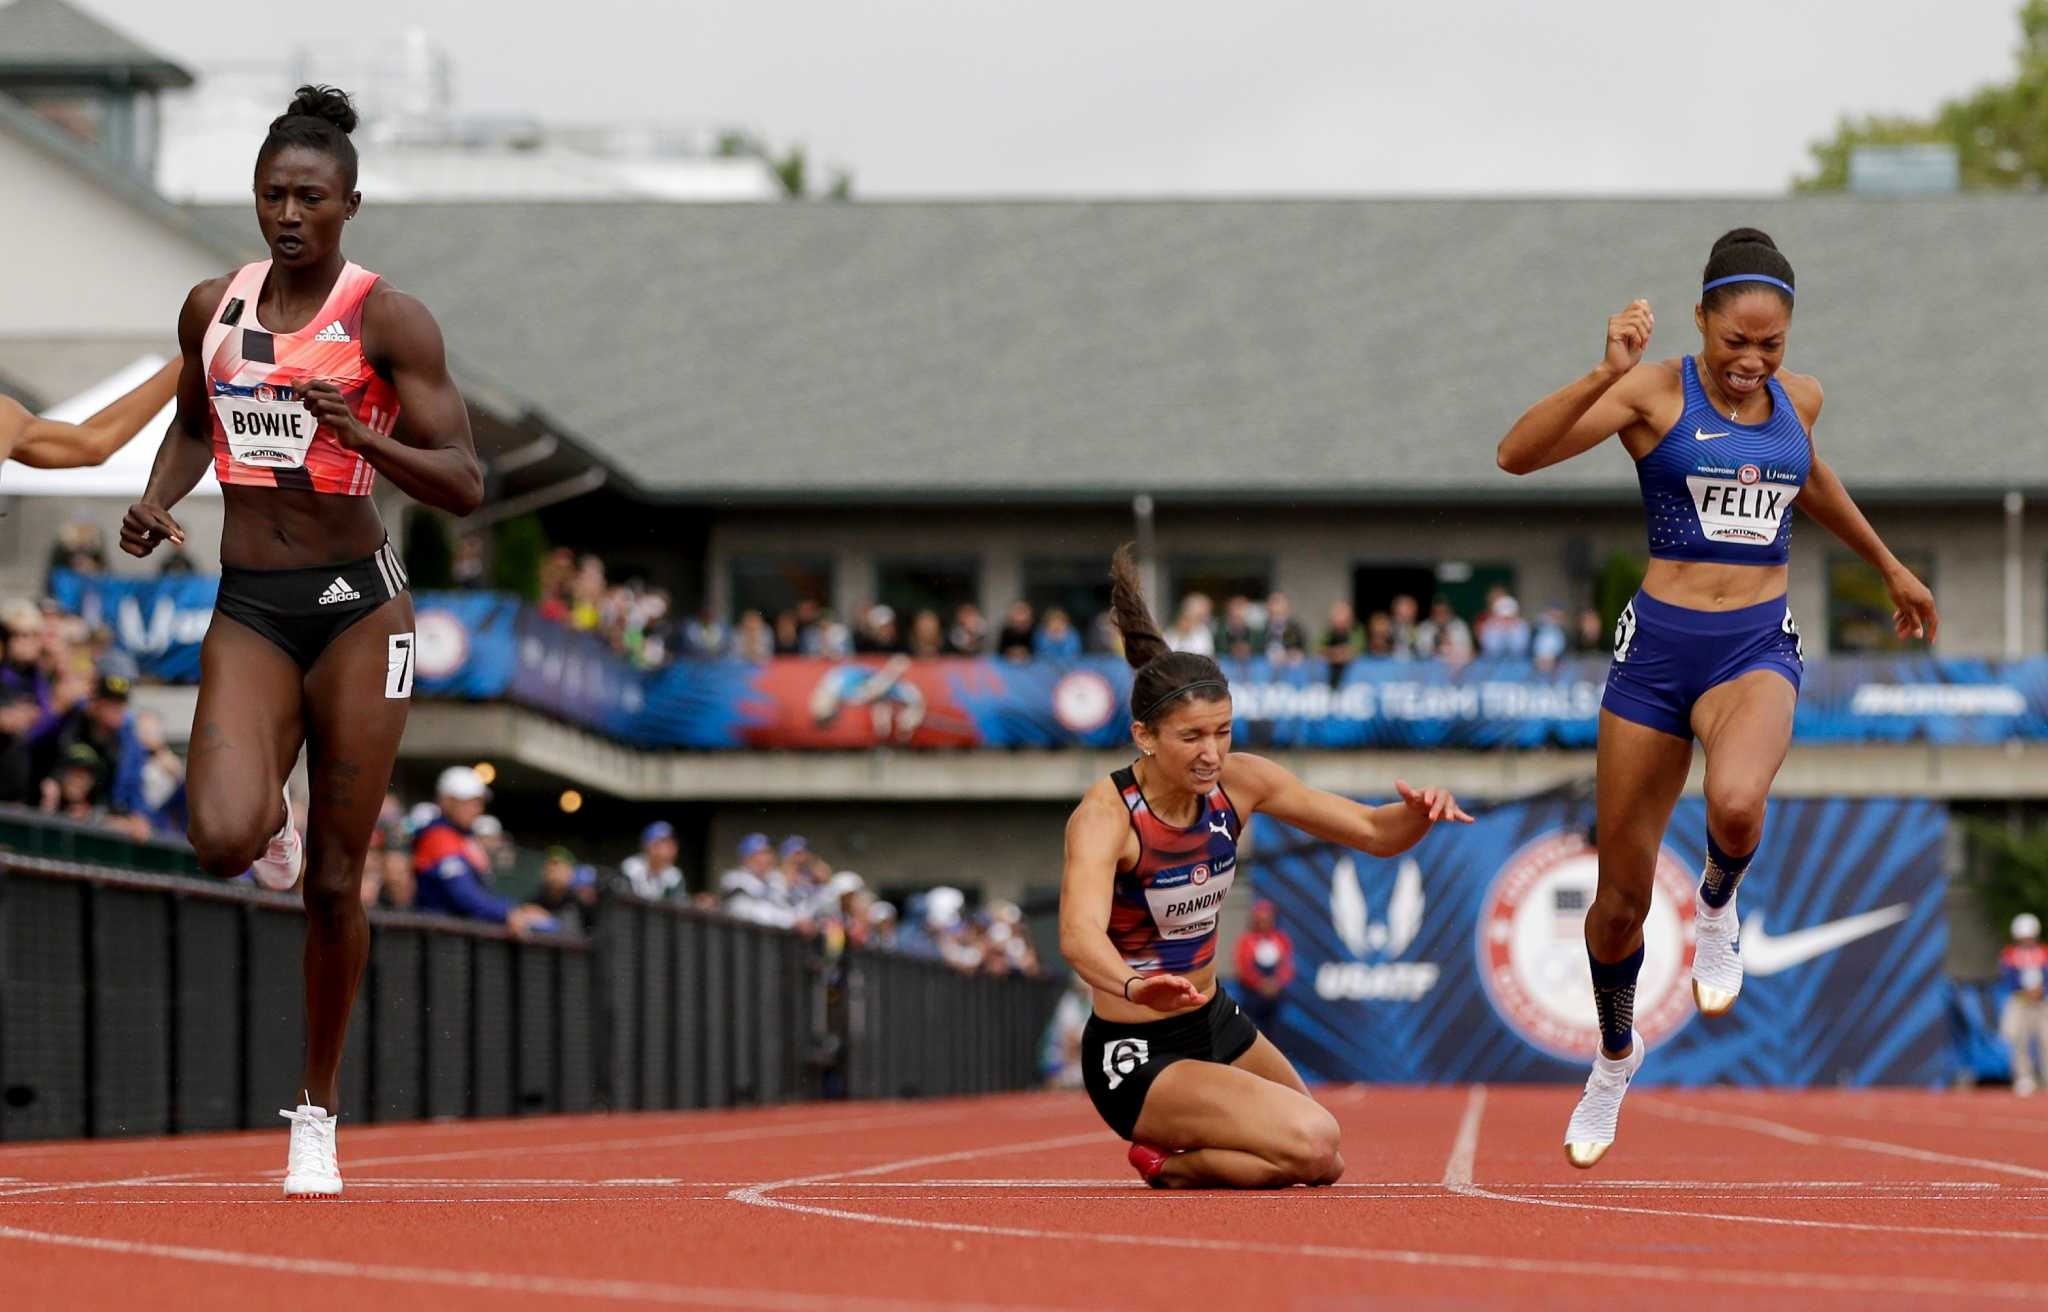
x,y
1591,1132
278,868
311,1170
1716,957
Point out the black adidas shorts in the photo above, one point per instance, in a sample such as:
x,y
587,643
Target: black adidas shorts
x,y
1119,1061
304,610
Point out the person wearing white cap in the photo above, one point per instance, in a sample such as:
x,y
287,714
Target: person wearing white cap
x,y
2024,1021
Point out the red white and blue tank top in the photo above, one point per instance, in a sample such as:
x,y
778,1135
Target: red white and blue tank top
x,y
1717,490
1163,913
263,435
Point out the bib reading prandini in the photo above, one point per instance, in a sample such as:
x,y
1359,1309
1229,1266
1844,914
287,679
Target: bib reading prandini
x,y
1184,902
265,426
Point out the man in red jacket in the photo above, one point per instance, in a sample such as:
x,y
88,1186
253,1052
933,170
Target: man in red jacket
x,y
1265,964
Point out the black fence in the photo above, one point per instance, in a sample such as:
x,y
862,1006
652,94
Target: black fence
x,y
133,1003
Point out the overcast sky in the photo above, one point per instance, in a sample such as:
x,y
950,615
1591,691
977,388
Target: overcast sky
x,y
1189,97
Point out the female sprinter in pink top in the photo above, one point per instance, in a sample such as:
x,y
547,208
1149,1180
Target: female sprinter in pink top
x,y
296,371
1170,1062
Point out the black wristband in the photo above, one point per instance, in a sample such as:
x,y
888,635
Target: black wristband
x,y
1127,986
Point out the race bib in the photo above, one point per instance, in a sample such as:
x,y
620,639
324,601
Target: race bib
x,y
268,430
1184,902
1743,509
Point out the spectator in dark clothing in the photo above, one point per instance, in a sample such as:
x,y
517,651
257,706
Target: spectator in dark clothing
x,y
1014,643
1286,642
103,724
74,789
561,896
927,635
18,714
1237,638
1590,633
878,632
451,869
1379,636
1343,640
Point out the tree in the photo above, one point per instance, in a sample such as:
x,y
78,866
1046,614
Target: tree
x,y
791,167
2000,132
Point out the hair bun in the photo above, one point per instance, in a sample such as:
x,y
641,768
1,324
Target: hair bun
x,y
1743,237
330,104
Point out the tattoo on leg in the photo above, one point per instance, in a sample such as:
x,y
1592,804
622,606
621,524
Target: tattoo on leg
x,y
341,783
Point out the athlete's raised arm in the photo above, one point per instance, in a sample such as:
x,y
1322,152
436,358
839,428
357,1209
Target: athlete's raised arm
x,y
1620,391
432,457
1096,834
54,444
1257,784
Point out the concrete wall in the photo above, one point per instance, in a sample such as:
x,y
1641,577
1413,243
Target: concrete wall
x,y
1314,549
61,226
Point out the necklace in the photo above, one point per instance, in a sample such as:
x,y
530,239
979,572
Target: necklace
x,y
1735,408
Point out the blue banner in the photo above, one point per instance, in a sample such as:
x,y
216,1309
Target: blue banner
x,y
1465,959
159,621
488,646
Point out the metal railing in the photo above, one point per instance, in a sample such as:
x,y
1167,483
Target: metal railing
x,y
138,1003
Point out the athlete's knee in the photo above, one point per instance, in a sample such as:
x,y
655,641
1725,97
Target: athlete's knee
x,y
1307,1148
1619,909
332,886
227,844
1735,812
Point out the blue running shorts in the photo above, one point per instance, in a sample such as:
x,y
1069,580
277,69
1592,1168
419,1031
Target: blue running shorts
x,y
1667,657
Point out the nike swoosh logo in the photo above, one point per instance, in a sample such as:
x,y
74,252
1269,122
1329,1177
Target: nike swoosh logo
x,y
1706,437
1763,954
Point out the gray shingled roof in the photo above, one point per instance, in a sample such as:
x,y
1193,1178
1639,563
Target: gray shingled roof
x,y
1352,349
46,38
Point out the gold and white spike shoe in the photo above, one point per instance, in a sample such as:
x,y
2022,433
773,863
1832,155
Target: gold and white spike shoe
x,y
1716,958
1594,1120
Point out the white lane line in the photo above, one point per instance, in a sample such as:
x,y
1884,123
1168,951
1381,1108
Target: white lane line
x,y
760,1196
566,1286
584,1147
1458,1169
1793,1134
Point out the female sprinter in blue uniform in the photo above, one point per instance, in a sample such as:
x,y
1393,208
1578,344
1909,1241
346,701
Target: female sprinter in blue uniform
x,y
1723,448
1168,1059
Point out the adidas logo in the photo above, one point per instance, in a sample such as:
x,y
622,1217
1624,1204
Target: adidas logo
x,y
333,332
339,590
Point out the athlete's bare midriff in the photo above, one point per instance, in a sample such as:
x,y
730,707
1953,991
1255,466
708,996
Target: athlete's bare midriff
x,y
286,528
1714,585
1111,1006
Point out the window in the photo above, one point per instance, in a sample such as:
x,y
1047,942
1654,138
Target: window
x,y
1374,587
941,584
1218,577
773,584
1859,608
1078,585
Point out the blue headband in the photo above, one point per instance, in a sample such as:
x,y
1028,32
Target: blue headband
x,y
1780,284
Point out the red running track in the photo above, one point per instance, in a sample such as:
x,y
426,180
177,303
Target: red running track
x,y
1462,1195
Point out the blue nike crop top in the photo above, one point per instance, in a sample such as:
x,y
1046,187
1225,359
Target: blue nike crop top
x,y
1717,490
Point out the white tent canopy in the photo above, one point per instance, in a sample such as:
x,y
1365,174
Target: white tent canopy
x,y
126,472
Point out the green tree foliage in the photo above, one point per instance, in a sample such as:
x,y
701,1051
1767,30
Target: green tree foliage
x,y
517,548
2009,870
429,559
1621,574
1999,132
791,166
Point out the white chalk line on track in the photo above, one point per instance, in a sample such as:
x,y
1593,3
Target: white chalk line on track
x,y
584,1147
761,1195
1463,1186
1793,1134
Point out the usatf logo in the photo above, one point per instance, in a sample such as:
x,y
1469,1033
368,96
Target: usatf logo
x,y
1361,979
1532,947
1122,1057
